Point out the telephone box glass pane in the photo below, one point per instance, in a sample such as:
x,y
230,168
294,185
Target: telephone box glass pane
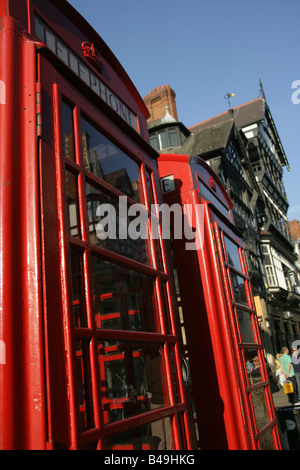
x,y
133,379
109,223
154,436
67,123
72,201
78,290
238,286
245,324
107,161
123,299
266,441
232,253
165,307
86,417
253,366
260,408
149,189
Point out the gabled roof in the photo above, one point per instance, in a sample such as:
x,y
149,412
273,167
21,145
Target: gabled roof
x,y
207,140
243,115
249,113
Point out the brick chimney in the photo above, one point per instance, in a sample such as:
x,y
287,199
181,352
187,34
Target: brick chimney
x,y
295,229
158,99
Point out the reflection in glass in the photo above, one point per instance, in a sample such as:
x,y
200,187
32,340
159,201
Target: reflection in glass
x,y
238,286
107,161
67,124
165,307
252,365
260,408
149,189
266,441
245,324
72,202
105,226
123,298
156,241
184,370
232,253
141,438
78,297
133,380
86,416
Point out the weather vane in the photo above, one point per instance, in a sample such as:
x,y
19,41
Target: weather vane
x,y
227,97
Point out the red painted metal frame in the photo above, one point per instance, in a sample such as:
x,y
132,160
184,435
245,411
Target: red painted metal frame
x,y
38,394
22,375
39,405
238,345
83,244
208,307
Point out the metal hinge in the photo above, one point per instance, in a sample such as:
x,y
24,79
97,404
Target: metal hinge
x,y
38,110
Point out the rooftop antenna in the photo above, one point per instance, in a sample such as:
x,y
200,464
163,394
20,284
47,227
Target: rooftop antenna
x,y
227,97
262,90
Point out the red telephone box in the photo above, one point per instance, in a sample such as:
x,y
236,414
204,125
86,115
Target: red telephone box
x,y
83,316
218,318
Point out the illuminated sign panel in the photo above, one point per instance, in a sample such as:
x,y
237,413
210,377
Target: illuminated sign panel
x,y
65,54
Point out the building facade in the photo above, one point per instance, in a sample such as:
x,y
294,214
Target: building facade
x,y
243,147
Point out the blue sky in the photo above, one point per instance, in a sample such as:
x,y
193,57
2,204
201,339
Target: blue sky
x,y
204,49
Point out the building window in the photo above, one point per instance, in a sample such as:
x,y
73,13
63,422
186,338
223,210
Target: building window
x,y
270,276
165,138
233,158
154,142
173,137
287,280
256,167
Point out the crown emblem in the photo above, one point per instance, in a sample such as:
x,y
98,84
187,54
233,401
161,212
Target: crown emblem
x,y
91,55
212,183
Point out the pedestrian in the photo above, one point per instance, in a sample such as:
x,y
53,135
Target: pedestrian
x,y
288,370
296,365
279,371
249,367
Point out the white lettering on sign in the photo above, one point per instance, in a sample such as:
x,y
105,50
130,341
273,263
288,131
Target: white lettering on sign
x,y
62,51
167,184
